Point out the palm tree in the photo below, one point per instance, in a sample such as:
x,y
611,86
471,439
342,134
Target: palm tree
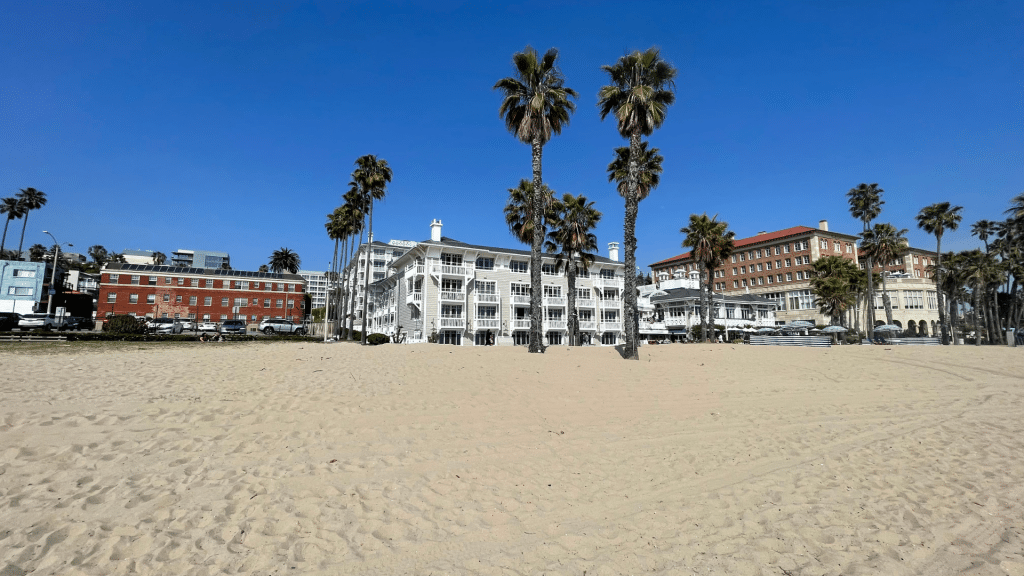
x,y
36,252
535,105
865,205
641,90
372,175
834,282
936,219
159,258
884,243
356,202
117,258
519,210
1016,209
98,254
263,268
983,229
710,242
571,237
648,170
284,259
30,199
13,208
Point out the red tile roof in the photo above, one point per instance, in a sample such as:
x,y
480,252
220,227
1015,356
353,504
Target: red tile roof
x,y
794,231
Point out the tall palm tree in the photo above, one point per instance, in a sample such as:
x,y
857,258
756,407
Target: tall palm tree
x,y
13,209
98,254
884,243
372,175
283,260
641,90
30,199
571,237
936,219
865,205
535,105
833,296
357,203
36,252
519,210
984,229
159,258
1016,209
710,243
648,170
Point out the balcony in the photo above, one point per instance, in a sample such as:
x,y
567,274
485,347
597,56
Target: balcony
x,y
414,268
586,303
610,303
414,298
451,322
554,325
464,270
588,325
611,327
521,324
555,301
486,324
486,298
521,299
608,282
453,296
675,320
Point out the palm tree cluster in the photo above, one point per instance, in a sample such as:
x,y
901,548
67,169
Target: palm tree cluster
x,y
368,183
710,242
536,104
18,207
884,243
838,284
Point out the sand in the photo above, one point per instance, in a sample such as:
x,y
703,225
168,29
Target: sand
x,y
290,458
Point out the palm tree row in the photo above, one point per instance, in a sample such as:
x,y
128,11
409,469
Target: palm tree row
x,y
17,207
710,242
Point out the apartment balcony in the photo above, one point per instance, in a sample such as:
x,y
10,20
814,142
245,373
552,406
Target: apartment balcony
x,y
414,298
520,299
486,324
464,270
611,327
653,326
608,283
453,296
486,298
521,324
586,303
675,321
554,325
558,301
451,322
588,326
415,269
610,302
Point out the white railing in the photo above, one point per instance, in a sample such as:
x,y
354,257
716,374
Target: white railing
x,y
449,270
486,298
610,302
414,268
554,300
585,303
486,323
453,295
608,282
652,325
451,322
611,326
414,297
520,298
554,324
675,320
588,325
521,324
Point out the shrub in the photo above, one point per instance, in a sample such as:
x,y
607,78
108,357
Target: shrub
x,y
124,324
377,339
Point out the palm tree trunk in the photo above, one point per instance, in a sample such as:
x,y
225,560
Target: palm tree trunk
x,y
348,286
871,296
997,321
369,268
938,290
977,326
886,301
711,306
23,226
574,323
856,315
4,241
355,278
536,294
703,305
629,233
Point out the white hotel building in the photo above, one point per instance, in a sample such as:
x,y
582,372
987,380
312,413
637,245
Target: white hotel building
x,y
450,292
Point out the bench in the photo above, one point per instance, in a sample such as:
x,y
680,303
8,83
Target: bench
x,y
811,341
914,341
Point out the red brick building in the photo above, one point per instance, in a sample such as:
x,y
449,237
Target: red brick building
x,y
200,294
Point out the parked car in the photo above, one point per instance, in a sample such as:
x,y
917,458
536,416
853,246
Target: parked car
x,y
281,326
164,326
232,327
9,320
83,323
41,322
207,326
186,324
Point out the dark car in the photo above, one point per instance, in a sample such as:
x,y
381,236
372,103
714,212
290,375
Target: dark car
x,y
232,327
81,323
9,321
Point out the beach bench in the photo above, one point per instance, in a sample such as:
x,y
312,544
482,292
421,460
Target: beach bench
x,y
914,341
811,341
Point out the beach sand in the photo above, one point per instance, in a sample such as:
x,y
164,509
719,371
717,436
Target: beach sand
x,y
301,458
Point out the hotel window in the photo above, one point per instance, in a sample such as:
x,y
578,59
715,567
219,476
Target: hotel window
x,y
758,253
548,269
733,258
111,297
135,278
177,299
487,312
208,301
778,278
168,279
519,266
519,289
760,280
552,291
194,282
787,262
735,283
750,255
485,263
241,302
742,257
181,281
785,248
209,283
266,303
243,285
743,269
776,250
734,270
932,303
167,297
744,282
799,275
769,278
224,302
113,278
608,274
152,280
760,267
192,300
255,301
849,248
789,276
913,299
800,300
778,264
824,244
133,298
280,303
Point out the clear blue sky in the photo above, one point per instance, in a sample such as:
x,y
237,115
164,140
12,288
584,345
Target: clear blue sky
x,y
233,126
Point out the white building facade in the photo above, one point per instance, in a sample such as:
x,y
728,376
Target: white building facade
x,y
381,257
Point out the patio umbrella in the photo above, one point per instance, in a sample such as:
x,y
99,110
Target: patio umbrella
x,y
833,329
765,330
888,328
801,324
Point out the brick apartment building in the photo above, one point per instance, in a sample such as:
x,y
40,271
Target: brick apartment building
x,y
206,295
777,265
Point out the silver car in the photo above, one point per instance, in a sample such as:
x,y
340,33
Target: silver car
x,y
41,322
164,326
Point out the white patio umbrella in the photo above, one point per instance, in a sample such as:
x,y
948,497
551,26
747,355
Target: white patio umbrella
x,y
766,330
888,328
801,324
833,329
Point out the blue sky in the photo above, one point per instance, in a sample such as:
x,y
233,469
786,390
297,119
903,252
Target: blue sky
x,y
233,126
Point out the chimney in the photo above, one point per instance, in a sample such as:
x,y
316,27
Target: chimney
x,y
823,225
435,230
613,251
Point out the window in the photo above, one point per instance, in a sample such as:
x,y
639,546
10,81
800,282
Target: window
x,y
152,280
519,289
824,244
280,303
743,269
800,300
243,285
760,267
113,277
451,259
778,277
241,302
291,304
485,263
776,250
256,302
742,257
20,291
519,266
760,280
224,302
758,253
378,251
744,282
548,269
135,278
913,299
785,248
769,278
799,275
778,264
789,276
133,298
735,283
164,315
111,297
750,255
266,303
223,317
192,300
177,299
552,291
208,301
788,261
487,312
607,274
932,302
181,281
194,282
167,297
168,279
768,265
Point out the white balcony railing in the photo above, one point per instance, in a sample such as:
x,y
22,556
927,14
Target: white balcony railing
x,y
608,282
465,269
610,302
521,324
675,320
486,298
453,295
451,322
588,325
554,324
555,301
486,324
414,268
520,298
585,303
414,297
611,326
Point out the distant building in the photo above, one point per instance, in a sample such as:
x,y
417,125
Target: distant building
x,y
199,259
382,256
316,286
138,256
24,286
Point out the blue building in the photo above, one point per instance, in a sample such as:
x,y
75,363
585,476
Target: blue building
x,y
24,286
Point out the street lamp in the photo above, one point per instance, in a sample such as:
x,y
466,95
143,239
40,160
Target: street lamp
x,y
53,273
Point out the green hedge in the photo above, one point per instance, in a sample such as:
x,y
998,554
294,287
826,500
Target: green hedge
x,y
109,337
124,324
377,339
